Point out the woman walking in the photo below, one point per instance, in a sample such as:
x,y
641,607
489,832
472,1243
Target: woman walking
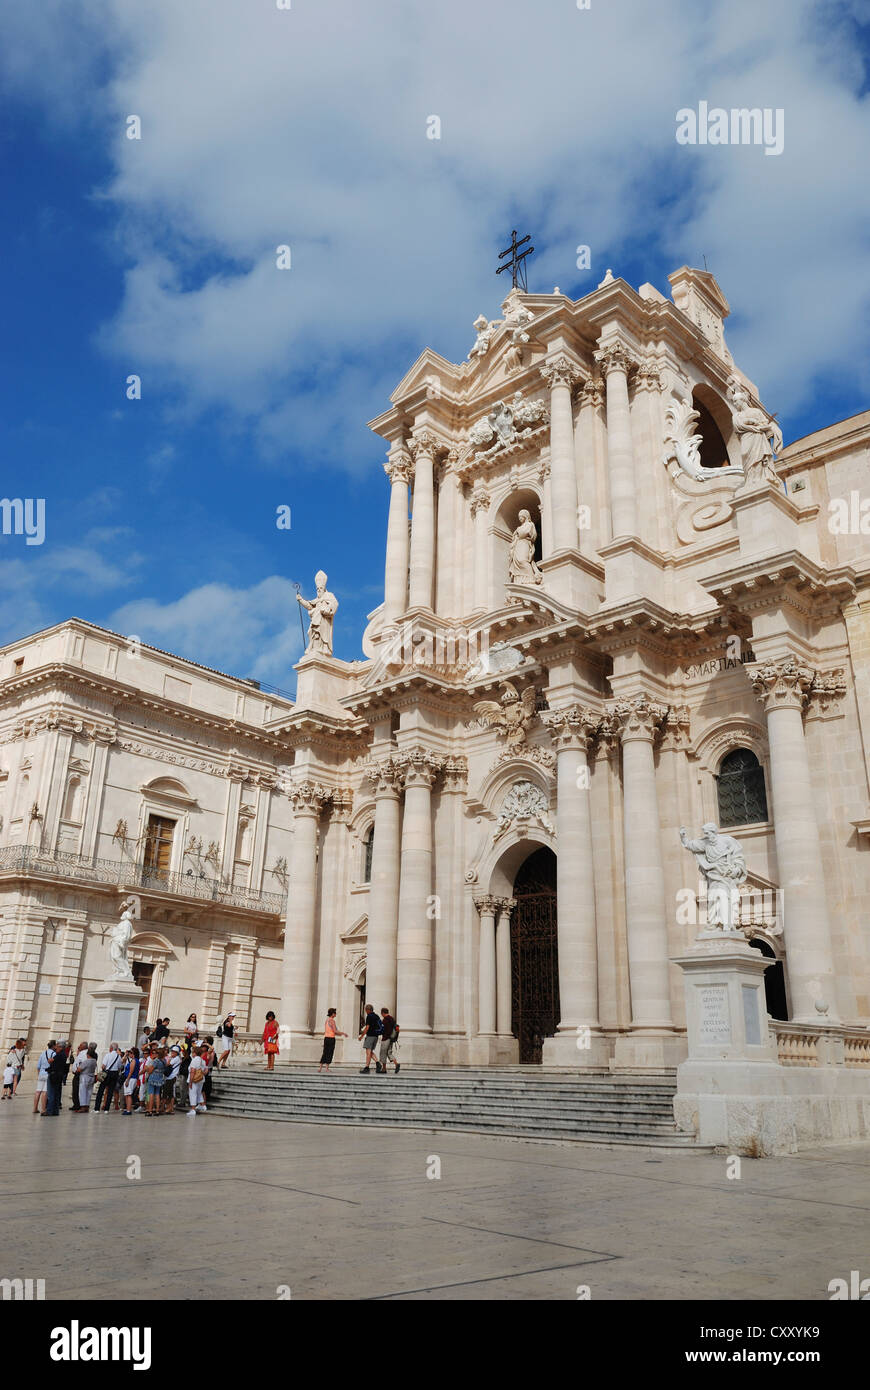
x,y
226,1032
15,1059
270,1040
331,1031
131,1078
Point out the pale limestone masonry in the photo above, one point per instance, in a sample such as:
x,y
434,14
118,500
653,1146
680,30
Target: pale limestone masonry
x,y
685,611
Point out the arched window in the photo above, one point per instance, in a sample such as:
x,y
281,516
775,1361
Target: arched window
x,y
713,451
740,789
368,846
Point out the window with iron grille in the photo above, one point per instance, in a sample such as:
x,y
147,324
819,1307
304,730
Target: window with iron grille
x,y
369,849
740,788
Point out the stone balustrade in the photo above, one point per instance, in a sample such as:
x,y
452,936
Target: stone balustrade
x,y
808,1045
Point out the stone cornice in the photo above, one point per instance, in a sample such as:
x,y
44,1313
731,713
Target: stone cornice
x,y
790,578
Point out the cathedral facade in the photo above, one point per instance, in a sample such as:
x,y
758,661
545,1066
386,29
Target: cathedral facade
x,y
615,610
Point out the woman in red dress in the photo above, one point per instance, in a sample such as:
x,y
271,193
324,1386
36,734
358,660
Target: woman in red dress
x,y
270,1041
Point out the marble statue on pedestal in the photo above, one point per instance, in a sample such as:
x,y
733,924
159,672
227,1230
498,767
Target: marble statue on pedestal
x,y
321,610
119,939
720,859
523,569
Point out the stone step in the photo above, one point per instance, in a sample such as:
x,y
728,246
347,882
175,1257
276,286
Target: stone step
x,y
497,1101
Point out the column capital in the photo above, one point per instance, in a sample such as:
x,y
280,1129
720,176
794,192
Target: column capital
x,y
487,906
648,376
424,441
592,392
420,766
386,776
399,467
455,774
506,906
480,498
342,804
637,718
614,356
676,727
573,727
782,685
308,798
560,370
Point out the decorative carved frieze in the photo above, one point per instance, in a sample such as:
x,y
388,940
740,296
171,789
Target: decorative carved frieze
x,y
506,424
166,755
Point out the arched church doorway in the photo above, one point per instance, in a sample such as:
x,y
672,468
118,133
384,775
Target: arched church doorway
x,y
774,982
535,1008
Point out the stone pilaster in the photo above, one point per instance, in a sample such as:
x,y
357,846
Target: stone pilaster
x,y
638,721
398,469
308,800
387,779
67,979
422,568
560,373
615,363
571,730
214,978
416,908
480,500
783,689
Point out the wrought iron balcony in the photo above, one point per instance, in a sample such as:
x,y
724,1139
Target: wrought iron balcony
x,y
27,859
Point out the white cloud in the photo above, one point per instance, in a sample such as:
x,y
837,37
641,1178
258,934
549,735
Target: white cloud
x,y
307,126
245,632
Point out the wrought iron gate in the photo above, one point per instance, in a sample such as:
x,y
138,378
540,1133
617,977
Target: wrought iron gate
x,y
535,1008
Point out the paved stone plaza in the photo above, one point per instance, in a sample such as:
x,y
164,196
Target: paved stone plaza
x,y
234,1208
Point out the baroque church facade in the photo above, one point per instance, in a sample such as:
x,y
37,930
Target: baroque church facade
x,y
614,608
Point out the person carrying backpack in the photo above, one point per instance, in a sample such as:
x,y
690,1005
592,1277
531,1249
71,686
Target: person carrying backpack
x,y
389,1038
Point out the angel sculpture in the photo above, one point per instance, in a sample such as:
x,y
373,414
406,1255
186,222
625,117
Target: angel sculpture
x,y
512,716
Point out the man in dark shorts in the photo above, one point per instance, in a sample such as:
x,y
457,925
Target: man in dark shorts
x,y
369,1037
389,1038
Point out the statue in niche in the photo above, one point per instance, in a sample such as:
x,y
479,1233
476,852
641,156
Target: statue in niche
x,y
720,859
321,610
119,939
522,568
759,434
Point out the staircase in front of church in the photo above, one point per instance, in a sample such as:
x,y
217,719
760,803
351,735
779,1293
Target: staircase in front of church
x,y
520,1102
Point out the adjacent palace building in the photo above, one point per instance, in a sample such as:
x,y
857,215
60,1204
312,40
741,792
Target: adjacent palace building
x,y
614,606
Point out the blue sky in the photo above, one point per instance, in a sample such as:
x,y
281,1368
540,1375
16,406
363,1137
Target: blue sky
x,y
308,127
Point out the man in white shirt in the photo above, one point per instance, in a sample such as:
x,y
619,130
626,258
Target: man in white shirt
x,y
173,1067
112,1065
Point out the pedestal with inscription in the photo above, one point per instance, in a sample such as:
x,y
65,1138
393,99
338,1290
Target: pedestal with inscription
x,y
731,1075
115,1014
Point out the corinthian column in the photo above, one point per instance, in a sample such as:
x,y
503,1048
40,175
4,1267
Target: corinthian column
x,y
486,978
398,469
646,912
301,922
384,890
561,373
571,731
423,446
783,690
480,500
615,365
503,966
415,892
